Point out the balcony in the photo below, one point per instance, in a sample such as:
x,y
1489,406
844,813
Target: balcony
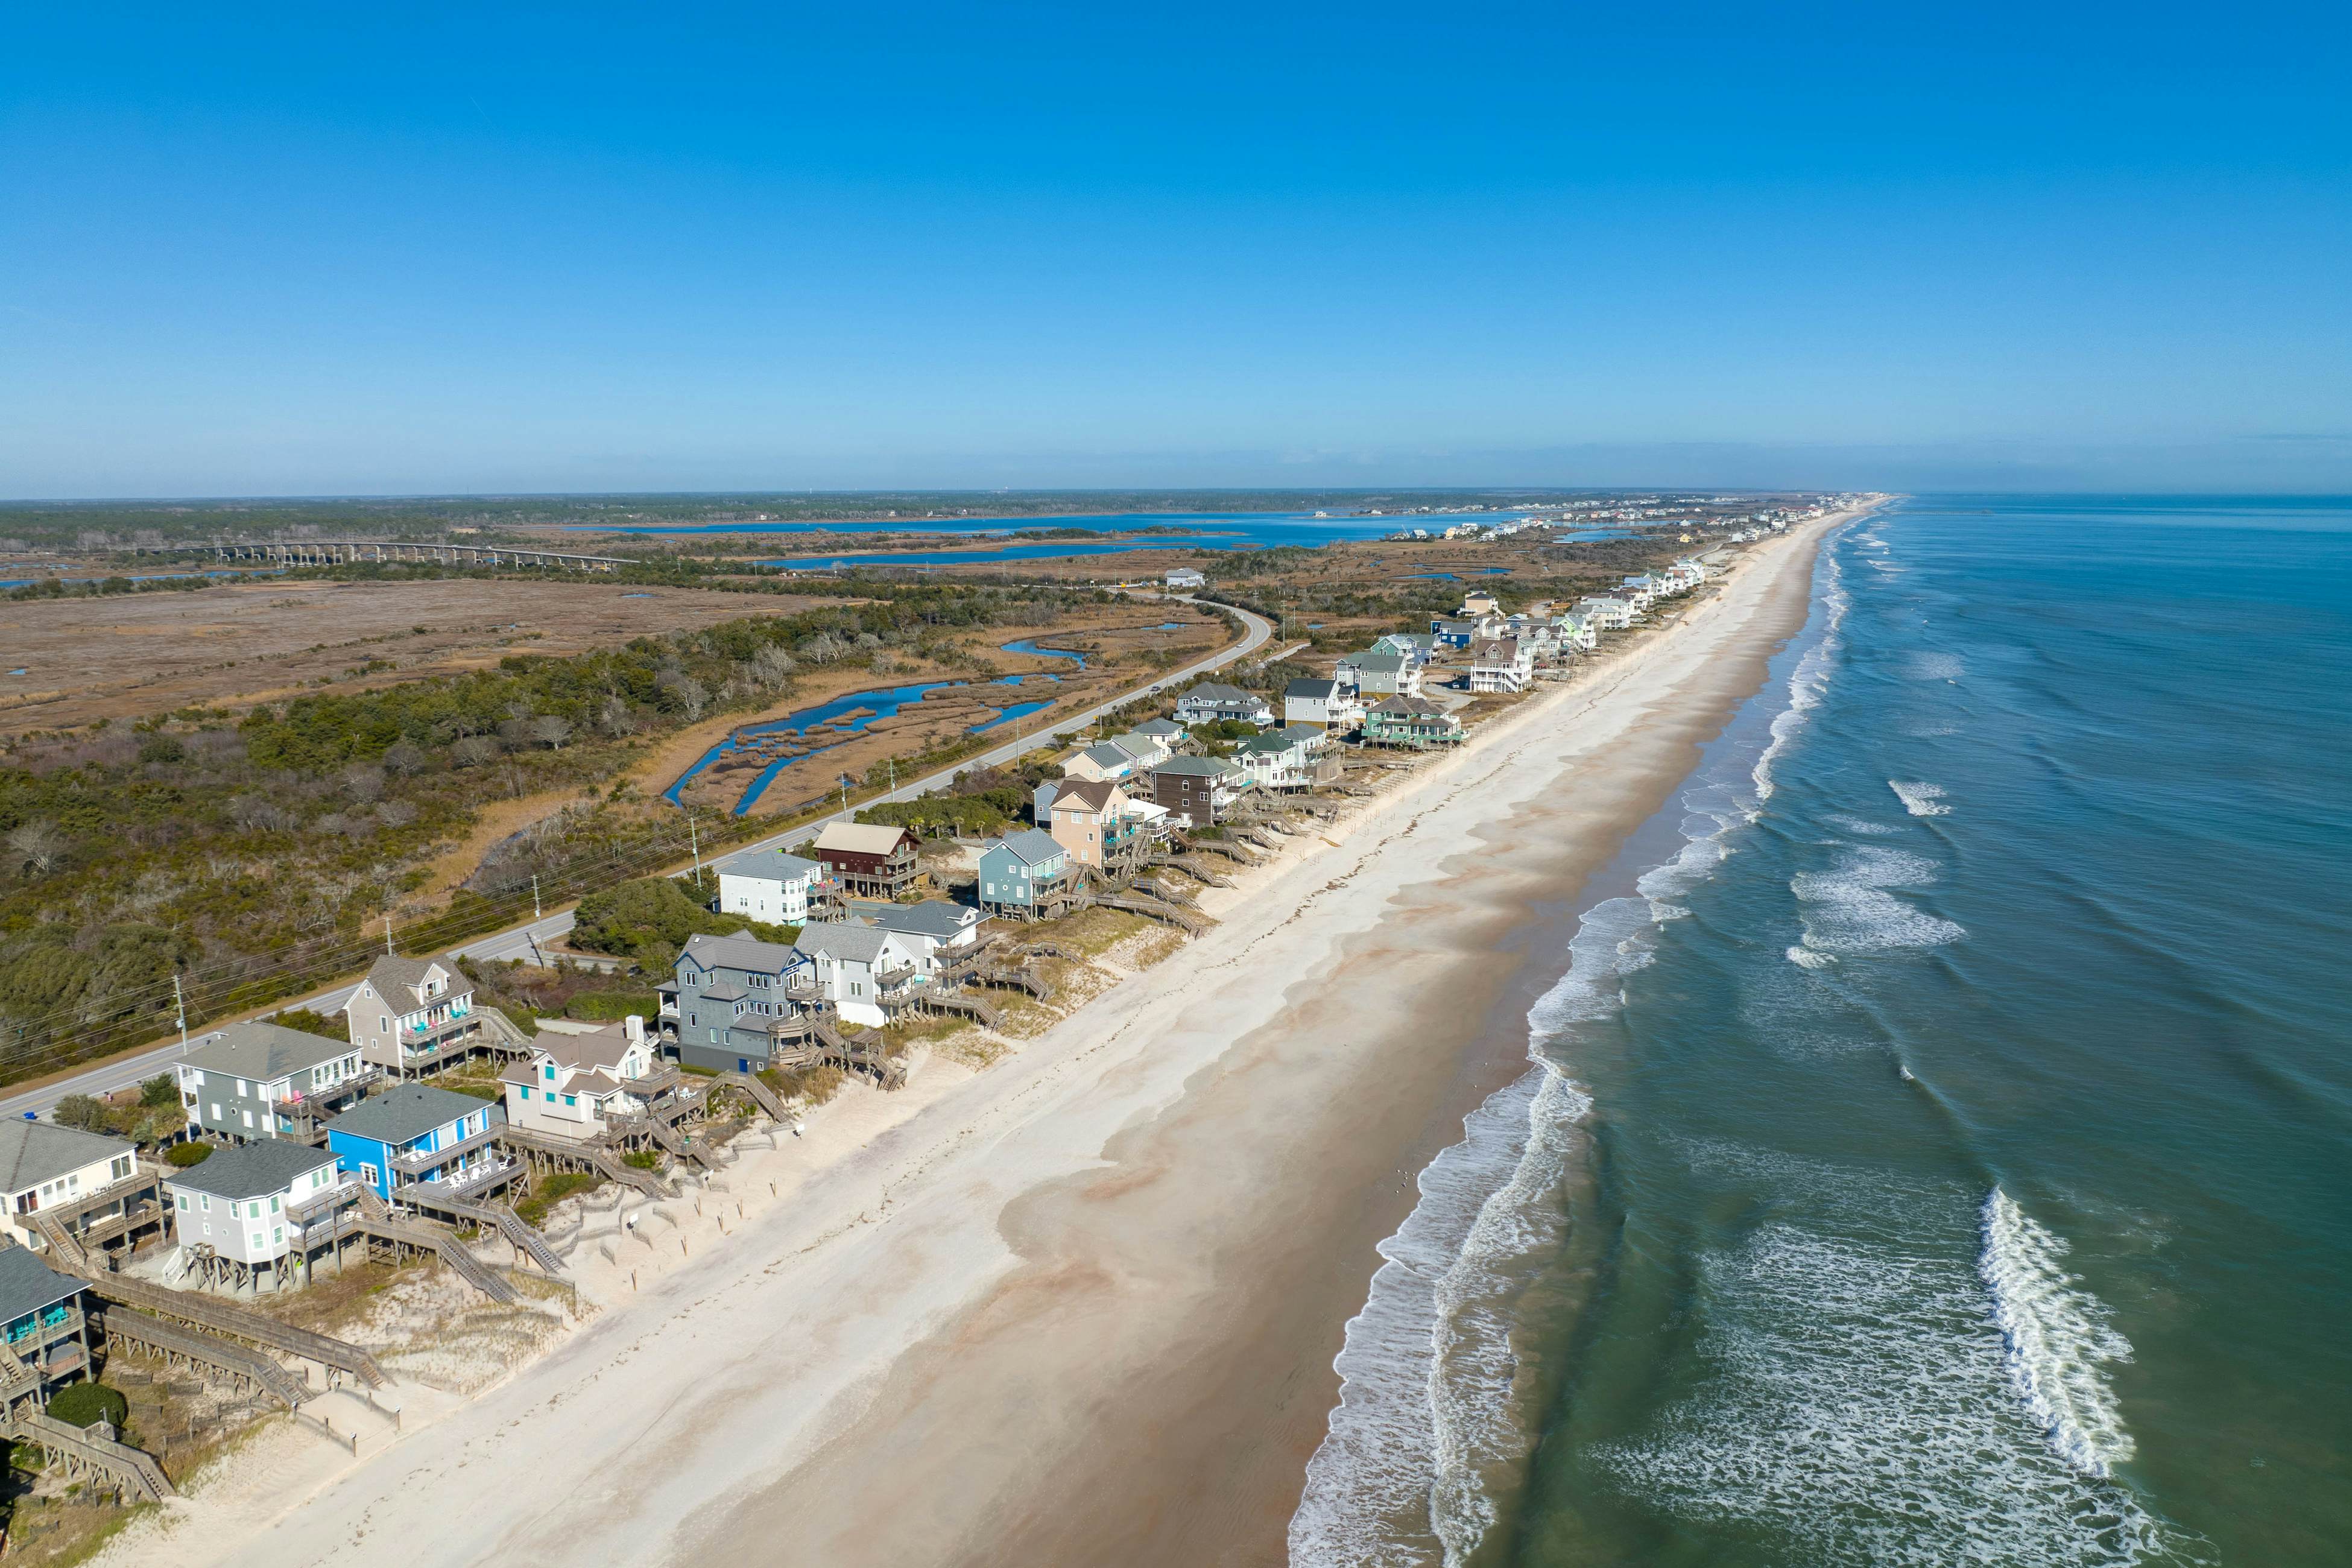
x,y
422,1162
474,1179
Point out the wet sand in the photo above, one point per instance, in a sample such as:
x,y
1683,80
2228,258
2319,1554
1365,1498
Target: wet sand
x,y
1082,1306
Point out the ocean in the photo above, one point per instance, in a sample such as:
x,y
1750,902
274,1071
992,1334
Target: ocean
x,y
1937,1148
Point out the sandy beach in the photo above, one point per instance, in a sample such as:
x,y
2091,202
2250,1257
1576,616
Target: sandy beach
x,y
1081,1306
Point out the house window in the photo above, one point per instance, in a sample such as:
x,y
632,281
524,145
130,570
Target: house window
x,y
273,1203
571,1100
525,1093
367,1175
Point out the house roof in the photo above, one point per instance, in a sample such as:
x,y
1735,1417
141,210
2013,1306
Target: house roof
x,y
1103,755
1093,795
1217,691
393,976
28,1285
1034,848
739,952
843,943
253,1170
722,991
597,1048
860,837
1497,650
1137,746
934,918
1311,691
1459,629
1163,728
1408,708
32,1152
265,1052
773,865
402,1112
1209,767
1388,663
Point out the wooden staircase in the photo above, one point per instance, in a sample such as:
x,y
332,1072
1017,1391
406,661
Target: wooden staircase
x,y
219,1318
163,1340
83,1453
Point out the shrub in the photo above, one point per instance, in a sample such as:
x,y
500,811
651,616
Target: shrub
x,y
84,1403
81,1112
160,1090
607,1005
545,1194
333,1025
643,1159
180,1156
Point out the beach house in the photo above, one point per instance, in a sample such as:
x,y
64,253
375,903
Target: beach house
x,y
264,1080
1500,664
1447,632
724,993
1101,826
1145,747
1185,580
87,1183
42,1322
413,1135
770,886
1415,647
1478,603
1414,722
1024,875
1326,704
1610,615
1211,701
869,860
935,931
1100,762
1197,789
244,1211
573,1081
1167,732
1639,591
867,973
1290,758
411,1015
1376,675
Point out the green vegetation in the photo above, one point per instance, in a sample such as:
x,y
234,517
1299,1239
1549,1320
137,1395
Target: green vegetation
x,y
964,815
252,855
641,1159
149,1117
333,1025
85,1404
605,1006
549,1191
649,920
180,1156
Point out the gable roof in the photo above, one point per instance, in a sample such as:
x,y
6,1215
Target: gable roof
x,y
402,1112
1497,650
597,1048
1387,663
32,1152
1162,728
1408,708
1093,795
774,865
1138,745
743,952
934,918
1032,847
1103,755
253,1170
843,943
28,1285
860,837
1210,767
1216,691
1311,691
264,1052
394,977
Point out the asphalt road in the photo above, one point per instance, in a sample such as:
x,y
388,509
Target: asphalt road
x,y
521,942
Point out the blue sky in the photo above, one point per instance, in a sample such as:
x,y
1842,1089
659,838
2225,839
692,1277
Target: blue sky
x,y
296,251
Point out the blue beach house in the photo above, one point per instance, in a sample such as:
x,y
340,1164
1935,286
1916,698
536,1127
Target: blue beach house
x,y
1024,875
416,1133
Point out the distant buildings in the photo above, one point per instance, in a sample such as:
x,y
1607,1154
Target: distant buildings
x,y
1211,701
1185,580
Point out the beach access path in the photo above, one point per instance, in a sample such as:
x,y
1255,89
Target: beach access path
x,y
528,940
1081,1307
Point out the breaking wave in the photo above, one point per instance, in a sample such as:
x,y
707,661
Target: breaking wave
x,y
2059,1337
1805,957
1809,682
1848,909
1920,799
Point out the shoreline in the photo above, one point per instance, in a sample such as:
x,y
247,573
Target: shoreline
x,y
1084,1302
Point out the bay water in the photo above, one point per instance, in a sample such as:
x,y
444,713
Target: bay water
x,y
1939,1147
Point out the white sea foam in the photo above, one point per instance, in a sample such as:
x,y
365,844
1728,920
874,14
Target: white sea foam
x,y
1808,683
1920,799
1855,1404
1862,826
1848,910
2059,1338
1806,958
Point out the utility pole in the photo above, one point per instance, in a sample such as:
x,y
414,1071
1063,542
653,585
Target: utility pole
x,y
694,837
180,1006
387,932
535,911
893,764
